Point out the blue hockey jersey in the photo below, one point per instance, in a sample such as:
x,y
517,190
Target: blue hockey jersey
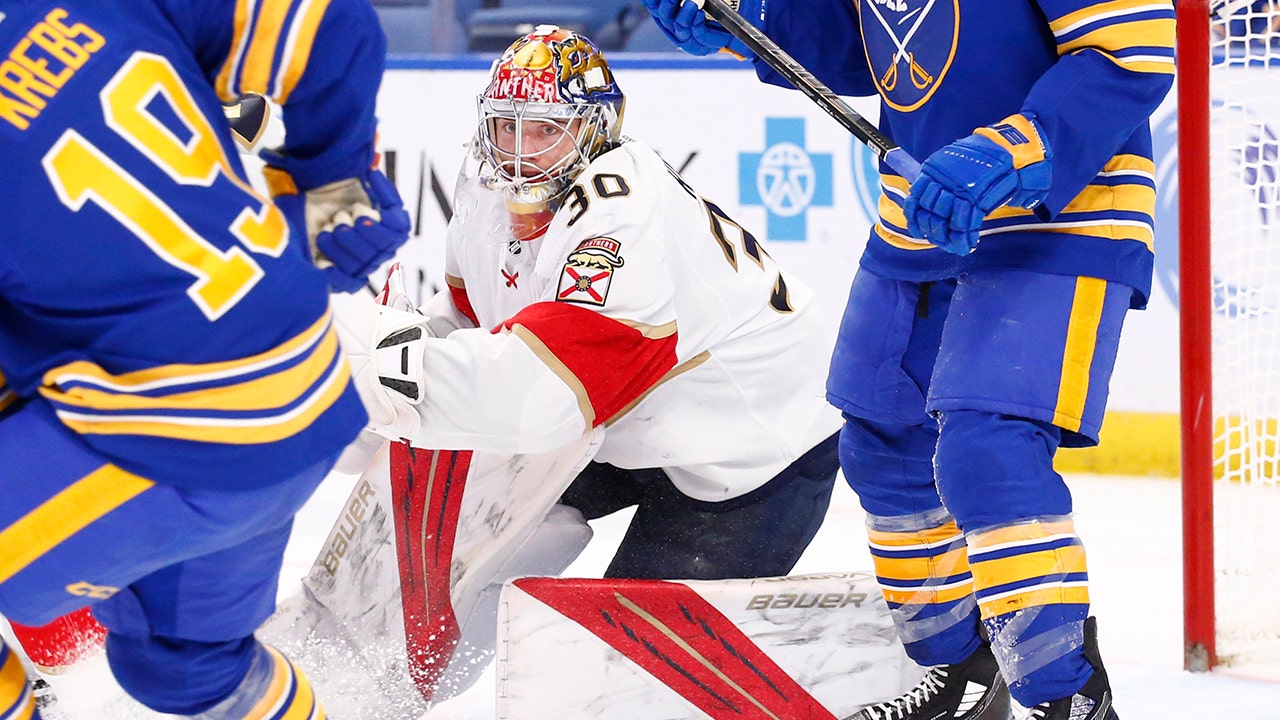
x,y
148,294
1091,72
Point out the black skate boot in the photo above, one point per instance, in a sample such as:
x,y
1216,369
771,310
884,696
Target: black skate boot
x,y
1091,702
972,689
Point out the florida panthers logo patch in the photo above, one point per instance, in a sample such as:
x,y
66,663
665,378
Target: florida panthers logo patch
x,y
588,271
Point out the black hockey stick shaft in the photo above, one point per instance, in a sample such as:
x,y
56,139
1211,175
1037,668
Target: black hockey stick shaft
x,y
804,81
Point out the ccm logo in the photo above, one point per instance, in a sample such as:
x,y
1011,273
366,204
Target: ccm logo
x,y
826,601
97,592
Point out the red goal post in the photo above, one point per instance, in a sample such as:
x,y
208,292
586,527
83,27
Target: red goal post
x,y
1229,304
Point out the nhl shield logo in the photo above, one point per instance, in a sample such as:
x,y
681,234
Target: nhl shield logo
x,y
588,271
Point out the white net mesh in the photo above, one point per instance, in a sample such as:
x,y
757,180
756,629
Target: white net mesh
x,y
1244,101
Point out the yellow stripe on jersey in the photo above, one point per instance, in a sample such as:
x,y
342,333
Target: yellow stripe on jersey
x,y
16,700
1156,32
225,85
259,60
1103,12
302,37
1114,33
1077,356
1137,197
65,514
263,393
261,28
273,394
163,376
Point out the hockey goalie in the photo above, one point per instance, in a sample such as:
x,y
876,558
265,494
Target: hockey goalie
x,y
608,338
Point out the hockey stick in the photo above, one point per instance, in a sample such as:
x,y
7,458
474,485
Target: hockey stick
x,y
804,81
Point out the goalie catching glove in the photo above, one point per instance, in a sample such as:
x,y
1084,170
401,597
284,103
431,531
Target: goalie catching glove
x,y
385,342
353,226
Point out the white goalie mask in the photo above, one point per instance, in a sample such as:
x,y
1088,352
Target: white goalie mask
x,y
551,106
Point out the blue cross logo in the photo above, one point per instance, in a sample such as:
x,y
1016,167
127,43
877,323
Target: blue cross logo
x,y
786,179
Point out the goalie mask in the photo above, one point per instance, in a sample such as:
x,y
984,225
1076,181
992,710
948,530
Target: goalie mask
x,y
551,106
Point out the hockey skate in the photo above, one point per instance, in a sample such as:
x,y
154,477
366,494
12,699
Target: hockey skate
x,y
972,689
1091,702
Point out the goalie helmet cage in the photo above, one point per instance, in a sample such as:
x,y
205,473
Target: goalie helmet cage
x,y
1229,287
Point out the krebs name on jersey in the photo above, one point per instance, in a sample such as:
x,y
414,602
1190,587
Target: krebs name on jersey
x,y
40,63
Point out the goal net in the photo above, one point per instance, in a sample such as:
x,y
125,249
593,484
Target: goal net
x,y
1229,190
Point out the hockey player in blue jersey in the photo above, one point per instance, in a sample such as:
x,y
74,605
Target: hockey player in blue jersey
x,y
174,389
982,324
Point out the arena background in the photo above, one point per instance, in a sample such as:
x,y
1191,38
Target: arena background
x,y
789,173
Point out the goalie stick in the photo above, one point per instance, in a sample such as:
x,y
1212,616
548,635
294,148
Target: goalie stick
x,y
804,81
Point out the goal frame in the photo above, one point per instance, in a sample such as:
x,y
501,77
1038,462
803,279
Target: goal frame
x,y
1195,311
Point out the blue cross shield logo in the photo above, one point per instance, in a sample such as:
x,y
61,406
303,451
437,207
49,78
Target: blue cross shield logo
x,y
786,179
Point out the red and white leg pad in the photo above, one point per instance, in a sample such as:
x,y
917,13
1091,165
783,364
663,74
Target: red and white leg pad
x,y
814,646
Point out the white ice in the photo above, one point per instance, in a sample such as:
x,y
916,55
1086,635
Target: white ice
x,y
1132,531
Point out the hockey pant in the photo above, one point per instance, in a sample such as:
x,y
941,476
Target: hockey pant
x,y
673,536
956,395
180,578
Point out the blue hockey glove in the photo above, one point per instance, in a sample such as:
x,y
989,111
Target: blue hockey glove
x,y
960,184
353,226
684,22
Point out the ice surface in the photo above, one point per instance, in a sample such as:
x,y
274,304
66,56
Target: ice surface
x,y
1132,532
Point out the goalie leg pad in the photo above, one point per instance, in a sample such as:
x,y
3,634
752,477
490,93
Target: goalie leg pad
x,y
554,545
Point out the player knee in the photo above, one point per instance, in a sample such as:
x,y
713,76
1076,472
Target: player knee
x,y
181,677
983,455
889,466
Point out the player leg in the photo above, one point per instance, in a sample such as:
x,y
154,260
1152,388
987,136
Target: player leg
x,y
672,535
181,639
76,531
16,699
1024,367
880,371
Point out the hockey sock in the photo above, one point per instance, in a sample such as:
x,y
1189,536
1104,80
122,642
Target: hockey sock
x,y
16,700
923,570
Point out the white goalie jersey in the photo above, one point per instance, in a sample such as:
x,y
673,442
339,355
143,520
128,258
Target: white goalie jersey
x,y
644,309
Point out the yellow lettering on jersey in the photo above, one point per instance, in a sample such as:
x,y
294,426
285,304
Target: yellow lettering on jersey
x,y
22,83
81,173
89,590
39,66
41,63
197,160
